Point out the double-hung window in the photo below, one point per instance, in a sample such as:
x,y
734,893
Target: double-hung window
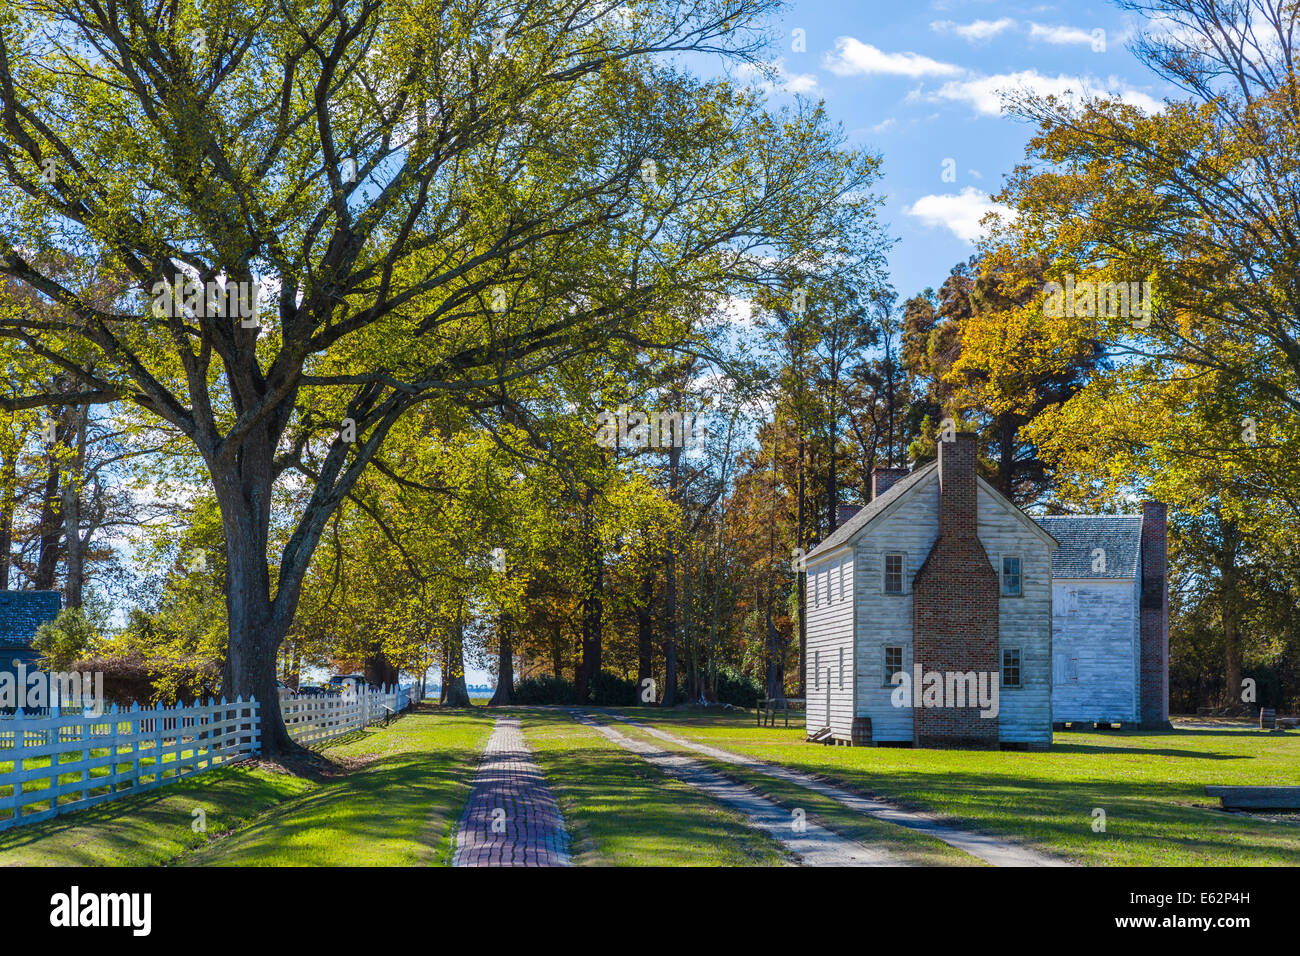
x,y
1010,667
893,664
894,572
1012,583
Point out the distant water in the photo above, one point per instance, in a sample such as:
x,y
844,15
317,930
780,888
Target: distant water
x,y
476,691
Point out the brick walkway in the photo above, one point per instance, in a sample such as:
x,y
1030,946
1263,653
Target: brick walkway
x,y
511,818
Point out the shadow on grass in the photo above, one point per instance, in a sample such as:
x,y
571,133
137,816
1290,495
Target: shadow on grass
x,y
620,810
1150,785
146,828
396,810
1091,749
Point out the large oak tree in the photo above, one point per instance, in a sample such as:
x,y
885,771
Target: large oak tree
x,y
439,198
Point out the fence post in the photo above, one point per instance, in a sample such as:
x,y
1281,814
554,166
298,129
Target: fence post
x,y
112,750
20,744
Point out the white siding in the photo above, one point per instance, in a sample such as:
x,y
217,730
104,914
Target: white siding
x,y
829,681
1025,713
885,620
1095,632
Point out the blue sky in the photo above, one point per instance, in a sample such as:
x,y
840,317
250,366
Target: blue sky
x,y
918,82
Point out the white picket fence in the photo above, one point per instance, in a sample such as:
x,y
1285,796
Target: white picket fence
x,y
313,718
58,761
116,754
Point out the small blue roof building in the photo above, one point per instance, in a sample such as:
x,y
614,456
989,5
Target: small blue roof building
x,y
21,613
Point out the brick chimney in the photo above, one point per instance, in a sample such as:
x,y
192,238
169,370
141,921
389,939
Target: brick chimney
x,y
1154,618
882,479
955,605
844,513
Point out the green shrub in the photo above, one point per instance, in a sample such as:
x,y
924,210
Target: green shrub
x,y
730,686
609,690
739,690
545,690
65,639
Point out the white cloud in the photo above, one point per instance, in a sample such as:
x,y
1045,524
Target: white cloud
x,y
800,82
884,126
960,213
1061,36
853,57
985,93
738,312
772,78
976,31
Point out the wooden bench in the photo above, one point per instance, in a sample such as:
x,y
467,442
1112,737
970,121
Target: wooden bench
x,y
1256,798
768,707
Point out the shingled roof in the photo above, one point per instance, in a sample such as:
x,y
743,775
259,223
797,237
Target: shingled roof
x,y
851,527
1120,536
22,612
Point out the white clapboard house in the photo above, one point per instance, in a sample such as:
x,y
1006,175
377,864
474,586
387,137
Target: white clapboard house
x,y
939,574
942,579
1110,619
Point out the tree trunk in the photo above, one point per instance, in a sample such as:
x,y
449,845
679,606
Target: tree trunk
x,y
446,669
504,695
832,478
1230,615
557,650
593,610
74,583
801,578
644,631
669,697
379,670
593,607
244,496
775,673
8,501
51,526
1007,458
456,694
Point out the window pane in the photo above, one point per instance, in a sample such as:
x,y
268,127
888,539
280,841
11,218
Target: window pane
x,y
1011,667
894,573
893,663
1011,576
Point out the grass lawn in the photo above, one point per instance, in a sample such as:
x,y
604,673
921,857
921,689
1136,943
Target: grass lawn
x,y
1150,785
150,828
621,811
407,786
397,808
911,847
97,782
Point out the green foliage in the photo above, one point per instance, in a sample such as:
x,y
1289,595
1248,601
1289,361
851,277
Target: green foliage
x,y
545,690
736,688
609,690
66,639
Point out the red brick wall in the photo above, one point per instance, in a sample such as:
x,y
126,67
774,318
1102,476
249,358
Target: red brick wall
x,y
1153,684
882,479
955,605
